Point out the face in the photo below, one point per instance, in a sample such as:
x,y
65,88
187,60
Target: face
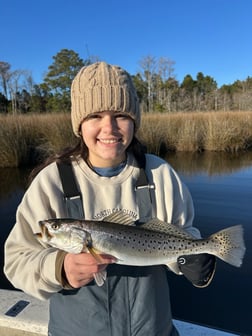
x,y
107,136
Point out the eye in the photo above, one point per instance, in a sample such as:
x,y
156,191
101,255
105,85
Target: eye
x,y
123,116
55,226
93,116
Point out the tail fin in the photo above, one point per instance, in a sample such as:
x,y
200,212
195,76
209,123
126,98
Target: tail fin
x,y
231,247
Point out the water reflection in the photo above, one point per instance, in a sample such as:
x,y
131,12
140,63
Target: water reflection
x,y
11,180
210,163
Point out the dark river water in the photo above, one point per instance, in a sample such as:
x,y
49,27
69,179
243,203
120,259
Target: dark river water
x,y
221,187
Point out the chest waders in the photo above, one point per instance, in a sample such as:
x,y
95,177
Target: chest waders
x,y
73,197
134,301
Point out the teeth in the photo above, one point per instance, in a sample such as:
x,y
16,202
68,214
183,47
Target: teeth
x,y
109,141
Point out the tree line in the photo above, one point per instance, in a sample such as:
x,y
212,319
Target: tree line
x,y
156,84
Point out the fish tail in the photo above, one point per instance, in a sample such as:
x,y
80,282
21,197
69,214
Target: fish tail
x,y
229,244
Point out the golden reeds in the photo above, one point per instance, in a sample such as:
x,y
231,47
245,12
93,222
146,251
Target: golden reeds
x,y
26,139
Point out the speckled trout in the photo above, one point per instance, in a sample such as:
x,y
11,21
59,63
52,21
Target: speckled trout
x,y
151,243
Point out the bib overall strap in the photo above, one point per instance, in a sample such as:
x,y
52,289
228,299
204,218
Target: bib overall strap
x,y
143,197
72,196
73,199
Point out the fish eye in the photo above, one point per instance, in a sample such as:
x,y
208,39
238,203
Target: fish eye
x,y
55,226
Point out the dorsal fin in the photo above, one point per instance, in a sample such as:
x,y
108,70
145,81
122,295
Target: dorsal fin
x,y
163,227
154,224
119,217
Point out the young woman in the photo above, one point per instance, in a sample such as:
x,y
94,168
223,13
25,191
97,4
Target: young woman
x,y
106,164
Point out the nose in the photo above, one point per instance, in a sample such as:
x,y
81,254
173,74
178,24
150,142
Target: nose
x,y
109,123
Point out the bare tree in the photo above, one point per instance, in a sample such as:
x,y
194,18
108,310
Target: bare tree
x,y
166,68
16,83
167,81
148,65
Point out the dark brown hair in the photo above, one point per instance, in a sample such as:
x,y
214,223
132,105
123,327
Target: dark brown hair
x,y
136,148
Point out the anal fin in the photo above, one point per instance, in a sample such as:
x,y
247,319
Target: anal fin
x,y
100,277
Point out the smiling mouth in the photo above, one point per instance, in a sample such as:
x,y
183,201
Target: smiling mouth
x,y
109,141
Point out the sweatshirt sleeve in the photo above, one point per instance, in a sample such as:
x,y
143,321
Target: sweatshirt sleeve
x,y
183,212
173,201
30,263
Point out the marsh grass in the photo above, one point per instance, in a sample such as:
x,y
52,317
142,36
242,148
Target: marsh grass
x,y
228,132
27,139
15,141
197,132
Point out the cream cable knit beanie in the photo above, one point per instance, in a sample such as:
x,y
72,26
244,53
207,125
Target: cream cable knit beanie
x,y
102,87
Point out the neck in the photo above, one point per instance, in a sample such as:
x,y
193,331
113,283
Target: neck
x,y
108,171
105,164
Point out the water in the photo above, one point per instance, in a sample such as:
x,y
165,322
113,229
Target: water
x,y
221,187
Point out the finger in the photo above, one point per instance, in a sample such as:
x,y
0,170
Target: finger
x,y
77,283
89,259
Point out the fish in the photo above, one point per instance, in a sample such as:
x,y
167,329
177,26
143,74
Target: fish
x,y
152,243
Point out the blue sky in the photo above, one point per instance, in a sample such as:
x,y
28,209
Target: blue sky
x,y
209,36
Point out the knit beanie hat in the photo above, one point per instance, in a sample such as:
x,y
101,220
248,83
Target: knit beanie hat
x,y
102,87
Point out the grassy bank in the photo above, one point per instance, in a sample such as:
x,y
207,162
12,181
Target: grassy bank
x,y
25,139
212,131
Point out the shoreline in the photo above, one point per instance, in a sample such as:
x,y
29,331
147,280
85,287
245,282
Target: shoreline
x,y
26,140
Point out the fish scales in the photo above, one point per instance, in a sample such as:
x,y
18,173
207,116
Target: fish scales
x,y
140,246
151,243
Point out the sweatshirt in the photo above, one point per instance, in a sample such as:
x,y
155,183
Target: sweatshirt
x,y
30,264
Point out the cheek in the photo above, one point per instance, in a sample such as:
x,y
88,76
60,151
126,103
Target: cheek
x,y
130,131
87,132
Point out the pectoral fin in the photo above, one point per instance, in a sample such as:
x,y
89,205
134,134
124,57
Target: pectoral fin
x,y
95,254
99,277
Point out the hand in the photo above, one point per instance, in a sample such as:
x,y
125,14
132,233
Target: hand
x,y
199,269
80,268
